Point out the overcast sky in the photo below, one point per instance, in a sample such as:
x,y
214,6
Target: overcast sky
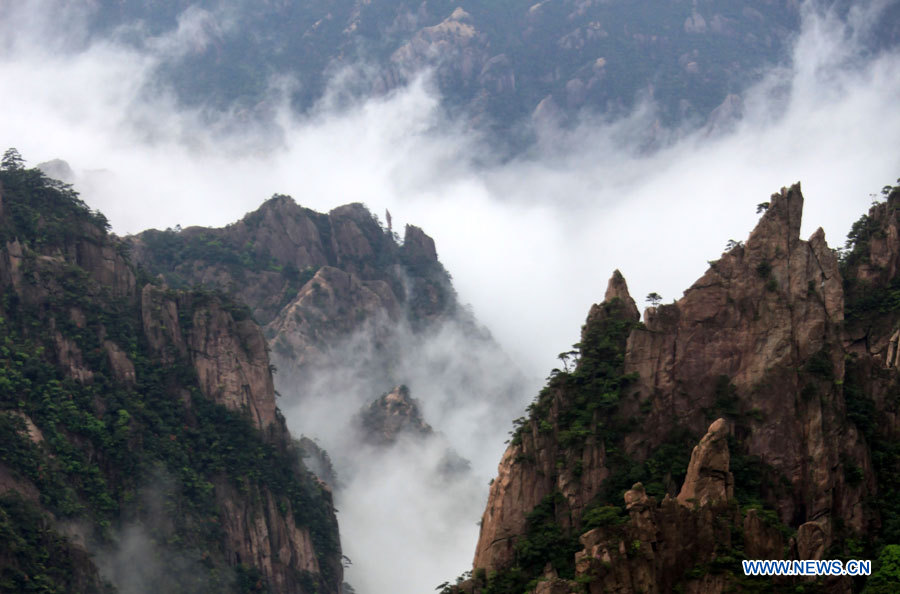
x,y
530,243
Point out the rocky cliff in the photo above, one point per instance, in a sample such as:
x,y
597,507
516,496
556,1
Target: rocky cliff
x,y
313,280
117,389
792,468
267,257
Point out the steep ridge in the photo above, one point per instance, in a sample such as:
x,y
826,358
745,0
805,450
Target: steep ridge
x,y
265,258
795,466
872,328
132,412
313,280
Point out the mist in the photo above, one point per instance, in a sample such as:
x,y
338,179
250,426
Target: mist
x,y
530,242
408,510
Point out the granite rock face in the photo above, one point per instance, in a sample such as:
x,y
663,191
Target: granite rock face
x,y
759,340
659,541
708,479
766,321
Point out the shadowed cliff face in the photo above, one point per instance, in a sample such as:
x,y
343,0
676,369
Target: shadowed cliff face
x,y
127,382
759,341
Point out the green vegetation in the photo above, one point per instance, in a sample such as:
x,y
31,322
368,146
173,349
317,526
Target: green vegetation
x,y
820,364
587,400
856,248
590,392
33,557
661,473
236,258
170,248
603,516
885,577
726,400
41,212
885,452
545,541
874,305
105,440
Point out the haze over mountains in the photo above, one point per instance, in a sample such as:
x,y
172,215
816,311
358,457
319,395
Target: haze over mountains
x,y
192,114
825,117
493,65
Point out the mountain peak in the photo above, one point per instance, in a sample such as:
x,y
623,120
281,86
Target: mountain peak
x,y
617,288
418,246
779,226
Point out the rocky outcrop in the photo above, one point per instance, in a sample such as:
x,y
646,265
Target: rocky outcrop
x,y
69,358
455,43
708,479
318,461
493,64
616,288
330,307
875,259
385,419
161,324
228,354
536,464
261,531
766,317
122,367
872,265
417,247
266,258
757,340
105,262
231,362
656,545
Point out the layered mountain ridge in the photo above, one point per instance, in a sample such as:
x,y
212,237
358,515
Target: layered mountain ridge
x,y
795,467
132,412
497,65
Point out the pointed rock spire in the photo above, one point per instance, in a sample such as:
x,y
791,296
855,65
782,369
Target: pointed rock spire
x,y
708,478
617,288
779,227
